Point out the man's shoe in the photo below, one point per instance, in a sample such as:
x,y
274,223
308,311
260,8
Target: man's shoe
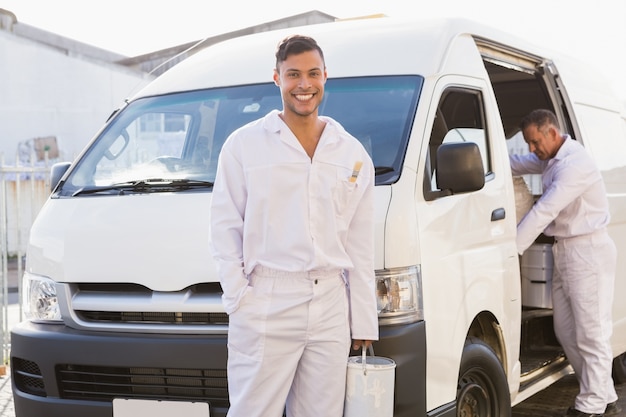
x,y
612,409
572,412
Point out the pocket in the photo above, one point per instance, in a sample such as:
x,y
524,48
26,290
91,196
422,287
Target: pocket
x,y
247,324
344,193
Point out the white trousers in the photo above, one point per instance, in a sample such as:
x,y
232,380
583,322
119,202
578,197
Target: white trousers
x,y
288,344
582,297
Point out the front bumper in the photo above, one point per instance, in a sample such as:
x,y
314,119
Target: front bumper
x,y
61,372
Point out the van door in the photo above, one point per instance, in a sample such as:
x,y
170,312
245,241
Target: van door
x,y
469,262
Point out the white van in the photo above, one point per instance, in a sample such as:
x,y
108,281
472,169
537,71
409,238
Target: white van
x,y
120,287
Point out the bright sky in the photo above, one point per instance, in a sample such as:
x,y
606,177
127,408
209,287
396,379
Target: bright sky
x,y
594,31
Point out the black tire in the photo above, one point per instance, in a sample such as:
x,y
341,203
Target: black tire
x,y
619,369
482,390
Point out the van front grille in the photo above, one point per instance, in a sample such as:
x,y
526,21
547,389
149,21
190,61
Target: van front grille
x,y
135,308
102,383
153,317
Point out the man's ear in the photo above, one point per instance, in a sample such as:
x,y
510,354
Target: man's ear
x,y
553,132
276,77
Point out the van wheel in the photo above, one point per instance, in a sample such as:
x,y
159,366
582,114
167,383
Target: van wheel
x,y
482,390
619,369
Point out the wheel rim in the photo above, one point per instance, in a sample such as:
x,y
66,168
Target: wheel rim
x,y
474,397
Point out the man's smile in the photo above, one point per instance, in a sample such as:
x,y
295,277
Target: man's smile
x,y
303,97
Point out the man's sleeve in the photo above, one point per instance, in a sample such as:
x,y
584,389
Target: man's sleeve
x,y
570,181
362,279
525,164
226,235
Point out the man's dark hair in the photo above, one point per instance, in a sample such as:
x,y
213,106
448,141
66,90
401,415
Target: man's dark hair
x,y
296,44
539,118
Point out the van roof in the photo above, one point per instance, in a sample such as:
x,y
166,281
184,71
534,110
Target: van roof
x,y
366,47
351,48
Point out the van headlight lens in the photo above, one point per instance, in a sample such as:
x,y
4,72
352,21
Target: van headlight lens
x,y
399,295
39,299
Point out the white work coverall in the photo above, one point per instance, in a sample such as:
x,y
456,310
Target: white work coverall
x,y
293,238
574,209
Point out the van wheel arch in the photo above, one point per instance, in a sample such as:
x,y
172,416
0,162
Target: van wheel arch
x,y
482,388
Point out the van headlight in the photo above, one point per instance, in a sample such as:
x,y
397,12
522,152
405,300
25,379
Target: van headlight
x,y
39,299
399,295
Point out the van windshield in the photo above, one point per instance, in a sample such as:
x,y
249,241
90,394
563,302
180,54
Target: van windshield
x,y
173,141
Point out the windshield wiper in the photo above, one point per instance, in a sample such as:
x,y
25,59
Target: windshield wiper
x,y
383,170
147,185
186,183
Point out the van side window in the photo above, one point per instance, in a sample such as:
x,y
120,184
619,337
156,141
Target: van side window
x,y
460,117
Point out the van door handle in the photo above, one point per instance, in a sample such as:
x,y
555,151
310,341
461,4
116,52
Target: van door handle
x,y
498,214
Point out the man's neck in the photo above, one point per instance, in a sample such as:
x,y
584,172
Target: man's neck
x,y
307,129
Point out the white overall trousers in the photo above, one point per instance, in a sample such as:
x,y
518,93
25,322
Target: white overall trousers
x,y
582,295
290,331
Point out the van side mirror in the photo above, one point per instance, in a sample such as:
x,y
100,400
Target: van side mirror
x,y
460,168
56,173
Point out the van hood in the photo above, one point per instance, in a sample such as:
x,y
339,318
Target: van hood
x,y
160,240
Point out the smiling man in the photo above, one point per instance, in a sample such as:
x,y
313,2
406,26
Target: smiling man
x,y
292,231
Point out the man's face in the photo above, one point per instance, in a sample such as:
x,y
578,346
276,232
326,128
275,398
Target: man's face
x,y
301,80
543,142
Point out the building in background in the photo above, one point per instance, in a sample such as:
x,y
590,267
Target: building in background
x,y
55,87
58,92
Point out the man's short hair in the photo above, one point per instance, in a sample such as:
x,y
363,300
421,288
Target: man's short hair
x,y
539,118
296,44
